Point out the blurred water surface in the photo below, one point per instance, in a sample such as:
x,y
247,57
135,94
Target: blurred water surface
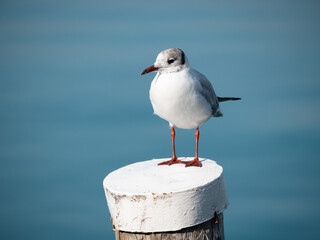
x,y
74,108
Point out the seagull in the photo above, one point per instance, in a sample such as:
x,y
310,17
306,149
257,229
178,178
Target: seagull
x,y
182,96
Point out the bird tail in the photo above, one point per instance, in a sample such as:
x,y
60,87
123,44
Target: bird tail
x,y
223,99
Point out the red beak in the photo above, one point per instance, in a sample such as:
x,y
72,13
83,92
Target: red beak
x,y
149,69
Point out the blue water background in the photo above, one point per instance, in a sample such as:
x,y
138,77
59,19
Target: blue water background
x,y
73,108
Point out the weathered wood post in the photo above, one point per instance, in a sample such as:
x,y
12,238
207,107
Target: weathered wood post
x,y
147,201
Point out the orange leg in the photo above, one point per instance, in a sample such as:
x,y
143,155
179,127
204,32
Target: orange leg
x,y
174,159
195,162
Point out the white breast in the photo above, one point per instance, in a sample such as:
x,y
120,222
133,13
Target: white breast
x,y
176,97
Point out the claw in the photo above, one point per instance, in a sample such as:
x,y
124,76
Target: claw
x,y
193,163
170,162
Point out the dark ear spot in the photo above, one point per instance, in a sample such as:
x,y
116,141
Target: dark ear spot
x,y
183,60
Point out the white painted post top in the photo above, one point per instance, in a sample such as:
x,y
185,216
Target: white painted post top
x,y
145,197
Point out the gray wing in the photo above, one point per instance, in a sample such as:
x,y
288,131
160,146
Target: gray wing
x,y
209,94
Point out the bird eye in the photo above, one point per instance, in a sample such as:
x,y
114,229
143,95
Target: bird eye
x,y
171,60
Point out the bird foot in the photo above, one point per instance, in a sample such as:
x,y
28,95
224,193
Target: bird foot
x,y
193,163
173,160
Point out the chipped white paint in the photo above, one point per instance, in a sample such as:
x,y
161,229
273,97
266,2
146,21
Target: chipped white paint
x,y
145,197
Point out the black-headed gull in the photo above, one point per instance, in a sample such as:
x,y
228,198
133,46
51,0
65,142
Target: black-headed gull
x,y
182,96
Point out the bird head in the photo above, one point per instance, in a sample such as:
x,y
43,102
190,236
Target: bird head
x,y
168,61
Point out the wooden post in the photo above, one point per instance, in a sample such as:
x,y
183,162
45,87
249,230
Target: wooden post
x,y
211,229
151,202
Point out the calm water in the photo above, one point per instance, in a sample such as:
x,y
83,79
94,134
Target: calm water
x,y
74,108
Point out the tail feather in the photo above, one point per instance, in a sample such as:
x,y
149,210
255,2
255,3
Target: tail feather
x,y
223,99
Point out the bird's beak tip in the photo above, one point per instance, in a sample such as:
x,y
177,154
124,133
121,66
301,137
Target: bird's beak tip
x,y
149,69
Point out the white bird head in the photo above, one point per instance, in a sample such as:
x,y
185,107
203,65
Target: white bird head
x,y
168,61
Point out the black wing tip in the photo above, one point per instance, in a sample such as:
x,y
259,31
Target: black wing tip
x,y
223,99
